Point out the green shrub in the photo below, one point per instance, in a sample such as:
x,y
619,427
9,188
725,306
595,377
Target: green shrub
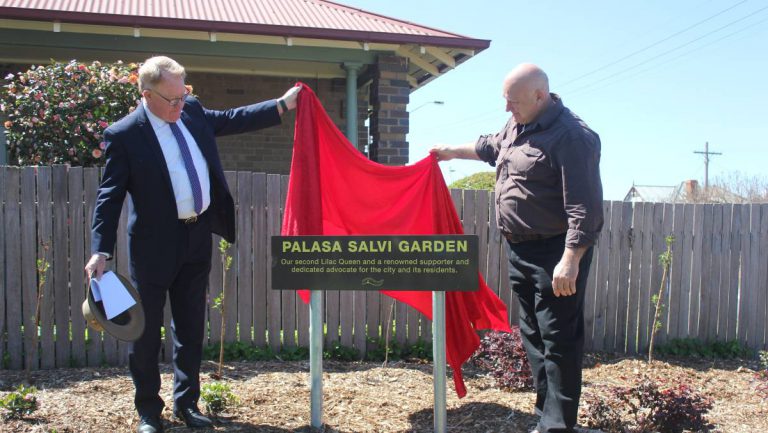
x,y
57,114
238,351
341,353
694,348
483,180
217,397
19,403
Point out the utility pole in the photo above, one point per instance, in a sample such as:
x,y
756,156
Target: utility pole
x,y
706,154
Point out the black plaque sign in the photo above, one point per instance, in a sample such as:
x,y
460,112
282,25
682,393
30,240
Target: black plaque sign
x,y
429,263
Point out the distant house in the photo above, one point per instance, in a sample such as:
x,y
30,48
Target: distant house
x,y
687,191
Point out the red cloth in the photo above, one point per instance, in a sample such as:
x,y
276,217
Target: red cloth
x,y
334,190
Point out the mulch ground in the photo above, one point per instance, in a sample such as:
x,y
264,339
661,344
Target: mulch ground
x,y
366,397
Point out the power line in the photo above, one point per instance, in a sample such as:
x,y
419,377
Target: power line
x,y
580,90
560,86
672,50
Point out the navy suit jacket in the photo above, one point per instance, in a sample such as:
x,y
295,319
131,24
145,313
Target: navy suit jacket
x,y
135,165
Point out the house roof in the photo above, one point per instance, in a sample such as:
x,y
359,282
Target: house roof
x,y
278,22
652,193
305,18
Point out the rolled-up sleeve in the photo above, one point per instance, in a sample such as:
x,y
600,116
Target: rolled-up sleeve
x,y
579,163
487,147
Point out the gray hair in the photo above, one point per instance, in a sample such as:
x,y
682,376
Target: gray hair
x,y
151,72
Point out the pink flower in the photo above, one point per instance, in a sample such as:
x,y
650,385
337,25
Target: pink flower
x,y
71,151
38,96
35,120
8,124
56,118
96,153
102,145
103,124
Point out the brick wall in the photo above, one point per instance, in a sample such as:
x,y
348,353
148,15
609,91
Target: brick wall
x,y
389,122
269,150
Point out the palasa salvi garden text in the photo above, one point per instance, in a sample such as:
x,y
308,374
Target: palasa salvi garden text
x,y
376,246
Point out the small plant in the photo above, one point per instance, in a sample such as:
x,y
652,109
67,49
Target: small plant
x,y
694,348
646,407
220,301
665,259
293,354
239,351
217,397
42,272
504,356
19,403
761,377
384,350
763,355
341,353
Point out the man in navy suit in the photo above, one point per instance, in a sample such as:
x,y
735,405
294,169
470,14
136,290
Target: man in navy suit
x,y
164,155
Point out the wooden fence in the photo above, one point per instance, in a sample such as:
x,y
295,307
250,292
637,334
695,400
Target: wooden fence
x,y
717,283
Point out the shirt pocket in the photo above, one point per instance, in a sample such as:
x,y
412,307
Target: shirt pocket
x,y
523,158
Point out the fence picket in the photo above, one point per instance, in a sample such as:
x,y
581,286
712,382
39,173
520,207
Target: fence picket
x,y
45,249
83,186
28,266
3,285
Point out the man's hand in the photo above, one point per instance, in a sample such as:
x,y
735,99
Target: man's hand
x,y
290,97
566,272
444,152
95,266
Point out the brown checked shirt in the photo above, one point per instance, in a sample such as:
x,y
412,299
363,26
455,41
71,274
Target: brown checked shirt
x,y
547,177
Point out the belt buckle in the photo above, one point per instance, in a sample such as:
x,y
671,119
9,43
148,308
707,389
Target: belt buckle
x,y
191,220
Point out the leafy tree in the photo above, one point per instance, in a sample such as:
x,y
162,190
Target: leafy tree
x,y
482,180
57,114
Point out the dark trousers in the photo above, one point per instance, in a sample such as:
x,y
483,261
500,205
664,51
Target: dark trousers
x,y
552,329
187,293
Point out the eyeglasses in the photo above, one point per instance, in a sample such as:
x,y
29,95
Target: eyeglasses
x,y
172,102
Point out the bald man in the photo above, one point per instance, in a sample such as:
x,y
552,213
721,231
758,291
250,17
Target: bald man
x,y
549,208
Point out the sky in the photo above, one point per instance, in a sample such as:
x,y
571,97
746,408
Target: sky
x,y
655,79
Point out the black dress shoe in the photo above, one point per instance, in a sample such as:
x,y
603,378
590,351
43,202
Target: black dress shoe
x,y
150,424
192,417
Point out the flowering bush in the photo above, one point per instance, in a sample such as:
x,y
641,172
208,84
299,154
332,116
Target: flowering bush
x,y
19,403
57,114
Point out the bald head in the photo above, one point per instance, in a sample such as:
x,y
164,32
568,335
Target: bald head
x,y
526,89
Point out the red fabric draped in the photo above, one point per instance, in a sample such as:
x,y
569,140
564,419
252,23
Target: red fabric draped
x,y
335,190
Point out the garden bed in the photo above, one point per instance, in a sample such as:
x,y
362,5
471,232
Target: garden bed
x,y
366,397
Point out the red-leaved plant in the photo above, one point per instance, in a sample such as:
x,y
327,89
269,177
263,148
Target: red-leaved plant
x,y
503,355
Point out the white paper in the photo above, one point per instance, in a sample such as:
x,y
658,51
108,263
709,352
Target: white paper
x,y
111,291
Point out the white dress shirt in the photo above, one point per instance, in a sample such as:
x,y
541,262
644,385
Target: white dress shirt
x,y
179,178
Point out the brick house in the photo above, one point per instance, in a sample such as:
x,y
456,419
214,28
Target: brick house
x,y
363,66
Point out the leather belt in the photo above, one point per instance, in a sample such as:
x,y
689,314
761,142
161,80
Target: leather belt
x,y
193,219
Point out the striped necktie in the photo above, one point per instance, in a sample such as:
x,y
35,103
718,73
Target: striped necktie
x,y
194,180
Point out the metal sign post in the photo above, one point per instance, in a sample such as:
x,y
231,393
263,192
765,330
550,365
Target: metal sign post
x,y
438,359
316,357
